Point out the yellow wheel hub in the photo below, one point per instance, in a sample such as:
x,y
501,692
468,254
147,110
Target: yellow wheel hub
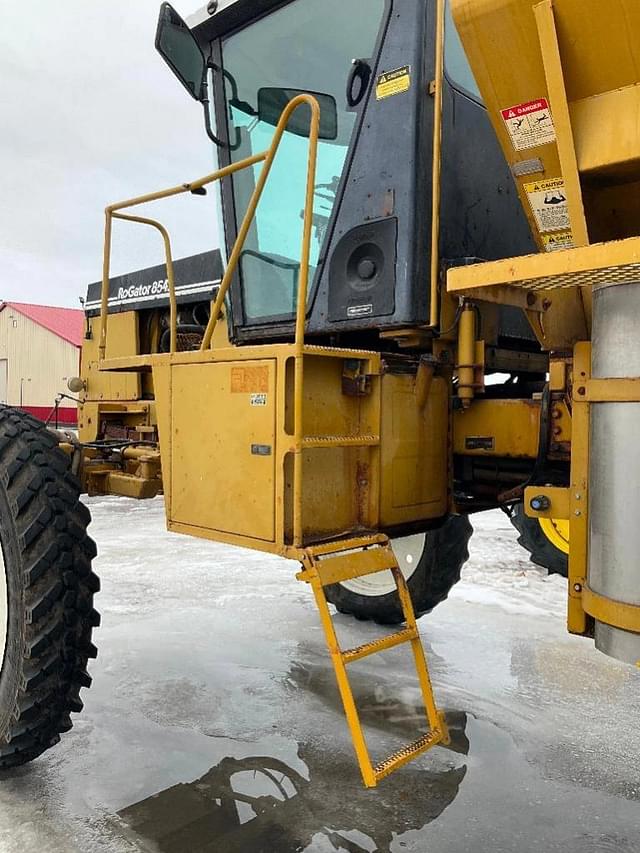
x,y
557,532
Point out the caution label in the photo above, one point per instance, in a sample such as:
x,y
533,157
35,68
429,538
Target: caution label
x,y
557,242
250,380
548,201
530,125
393,82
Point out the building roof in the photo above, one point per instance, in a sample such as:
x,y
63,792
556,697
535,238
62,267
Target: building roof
x,y
66,323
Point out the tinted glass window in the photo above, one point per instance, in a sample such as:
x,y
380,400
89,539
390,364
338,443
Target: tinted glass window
x,y
308,45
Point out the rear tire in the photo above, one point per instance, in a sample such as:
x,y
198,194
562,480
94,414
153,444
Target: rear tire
x,y
436,570
46,590
541,549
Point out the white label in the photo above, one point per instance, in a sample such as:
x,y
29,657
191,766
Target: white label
x,y
548,201
530,124
360,311
258,399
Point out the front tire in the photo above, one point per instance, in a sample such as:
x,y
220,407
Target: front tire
x,y
46,590
430,562
546,541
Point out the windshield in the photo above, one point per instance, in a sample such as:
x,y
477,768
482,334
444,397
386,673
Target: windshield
x,y
310,46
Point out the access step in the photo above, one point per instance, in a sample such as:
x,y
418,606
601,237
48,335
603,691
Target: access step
x,y
334,562
379,645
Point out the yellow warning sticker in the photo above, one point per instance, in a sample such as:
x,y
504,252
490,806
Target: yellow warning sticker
x,y
557,242
548,200
393,82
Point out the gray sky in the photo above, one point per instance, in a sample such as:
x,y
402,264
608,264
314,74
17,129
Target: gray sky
x,y
89,115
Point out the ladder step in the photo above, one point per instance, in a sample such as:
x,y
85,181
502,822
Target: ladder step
x,y
406,754
338,546
320,441
379,645
356,564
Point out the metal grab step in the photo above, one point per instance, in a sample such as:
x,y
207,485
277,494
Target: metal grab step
x,y
353,564
337,561
404,756
379,645
320,441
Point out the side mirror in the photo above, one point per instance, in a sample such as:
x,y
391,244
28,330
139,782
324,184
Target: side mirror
x,y
271,104
178,47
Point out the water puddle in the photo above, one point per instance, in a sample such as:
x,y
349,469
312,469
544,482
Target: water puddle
x,y
260,804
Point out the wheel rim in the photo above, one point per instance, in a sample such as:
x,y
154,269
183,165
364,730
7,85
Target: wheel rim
x,y
408,551
557,532
4,609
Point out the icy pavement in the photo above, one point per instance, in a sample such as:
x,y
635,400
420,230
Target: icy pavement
x,y
214,725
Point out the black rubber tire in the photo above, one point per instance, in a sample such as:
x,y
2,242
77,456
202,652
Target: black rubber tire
x,y
541,550
445,553
50,588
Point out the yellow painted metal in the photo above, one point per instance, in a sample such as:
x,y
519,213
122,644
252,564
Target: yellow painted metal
x,y
559,502
577,622
466,366
379,645
173,304
414,453
112,210
506,428
548,35
230,445
557,532
616,613
583,57
436,175
123,341
268,157
609,391
598,264
339,567
352,565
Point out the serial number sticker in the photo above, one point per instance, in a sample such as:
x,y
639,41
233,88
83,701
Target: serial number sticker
x,y
557,242
360,311
548,200
393,82
258,399
250,380
530,124
480,442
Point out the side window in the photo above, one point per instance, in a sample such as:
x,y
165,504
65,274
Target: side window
x,y
457,65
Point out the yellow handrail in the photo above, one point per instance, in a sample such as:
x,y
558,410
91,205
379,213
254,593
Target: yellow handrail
x,y
111,212
291,107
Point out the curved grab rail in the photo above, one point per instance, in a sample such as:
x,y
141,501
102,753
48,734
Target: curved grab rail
x,y
267,157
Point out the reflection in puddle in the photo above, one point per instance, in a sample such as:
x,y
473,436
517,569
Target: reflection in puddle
x,y
261,805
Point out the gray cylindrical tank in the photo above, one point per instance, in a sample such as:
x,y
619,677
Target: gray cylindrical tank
x,y
614,480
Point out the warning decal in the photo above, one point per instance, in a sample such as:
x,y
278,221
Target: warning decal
x,y
556,242
530,124
548,201
393,82
250,380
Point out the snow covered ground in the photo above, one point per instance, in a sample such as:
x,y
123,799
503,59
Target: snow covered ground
x,y
214,724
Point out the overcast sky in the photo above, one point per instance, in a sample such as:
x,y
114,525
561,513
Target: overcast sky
x,y
89,115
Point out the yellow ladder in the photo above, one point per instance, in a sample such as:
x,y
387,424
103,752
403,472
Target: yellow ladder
x,y
335,562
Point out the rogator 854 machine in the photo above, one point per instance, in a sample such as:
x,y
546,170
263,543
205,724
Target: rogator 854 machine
x,y
398,228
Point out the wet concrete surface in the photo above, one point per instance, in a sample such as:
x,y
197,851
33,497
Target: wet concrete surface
x,y
214,722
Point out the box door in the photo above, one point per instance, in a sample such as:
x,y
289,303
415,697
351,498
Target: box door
x,y
222,453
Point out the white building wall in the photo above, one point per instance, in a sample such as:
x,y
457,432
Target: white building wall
x,y
38,363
